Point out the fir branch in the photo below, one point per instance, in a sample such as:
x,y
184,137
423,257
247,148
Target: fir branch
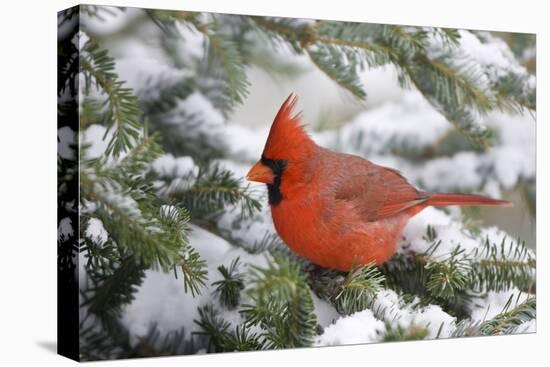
x,y
501,267
360,52
449,276
111,290
224,51
136,232
450,83
409,274
358,288
282,304
174,221
223,83
336,53
214,190
230,287
450,37
453,92
495,267
340,49
243,340
90,112
334,63
286,30
515,87
122,112
516,92
213,326
131,171
194,270
98,256
270,241
220,338
409,43
505,322
509,319
451,280
155,236
165,19
406,273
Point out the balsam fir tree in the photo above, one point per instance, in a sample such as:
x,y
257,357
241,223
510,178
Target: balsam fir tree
x,y
162,201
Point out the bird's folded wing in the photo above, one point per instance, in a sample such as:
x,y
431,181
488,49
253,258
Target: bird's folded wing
x,y
377,192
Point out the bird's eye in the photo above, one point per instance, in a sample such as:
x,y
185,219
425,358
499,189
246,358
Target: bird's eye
x,y
276,165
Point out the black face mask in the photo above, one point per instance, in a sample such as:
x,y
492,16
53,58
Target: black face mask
x,y
274,190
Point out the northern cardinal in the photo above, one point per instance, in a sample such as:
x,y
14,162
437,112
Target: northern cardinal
x,y
338,210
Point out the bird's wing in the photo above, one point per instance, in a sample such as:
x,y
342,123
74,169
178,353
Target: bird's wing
x,y
377,192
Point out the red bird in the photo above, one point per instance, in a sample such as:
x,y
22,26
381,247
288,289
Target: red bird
x,y
335,209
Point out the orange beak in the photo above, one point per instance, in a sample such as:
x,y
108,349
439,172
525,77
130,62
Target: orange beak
x,y
260,173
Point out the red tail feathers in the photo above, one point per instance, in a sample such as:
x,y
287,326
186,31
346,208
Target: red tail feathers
x,y
443,199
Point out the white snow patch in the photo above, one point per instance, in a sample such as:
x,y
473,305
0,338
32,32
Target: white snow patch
x,y
198,104
247,232
193,42
96,141
528,327
388,305
198,122
449,232
246,144
393,124
168,165
95,231
153,67
115,198
381,86
80,39
181,171
66,142
494,54
361,327
109,19
438,48
368,327
326,313
65,229
239,170
459,172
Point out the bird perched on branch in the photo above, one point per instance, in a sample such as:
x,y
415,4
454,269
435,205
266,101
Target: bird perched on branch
x,y
338,210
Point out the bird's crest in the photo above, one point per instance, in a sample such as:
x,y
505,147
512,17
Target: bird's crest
x,y
287,138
